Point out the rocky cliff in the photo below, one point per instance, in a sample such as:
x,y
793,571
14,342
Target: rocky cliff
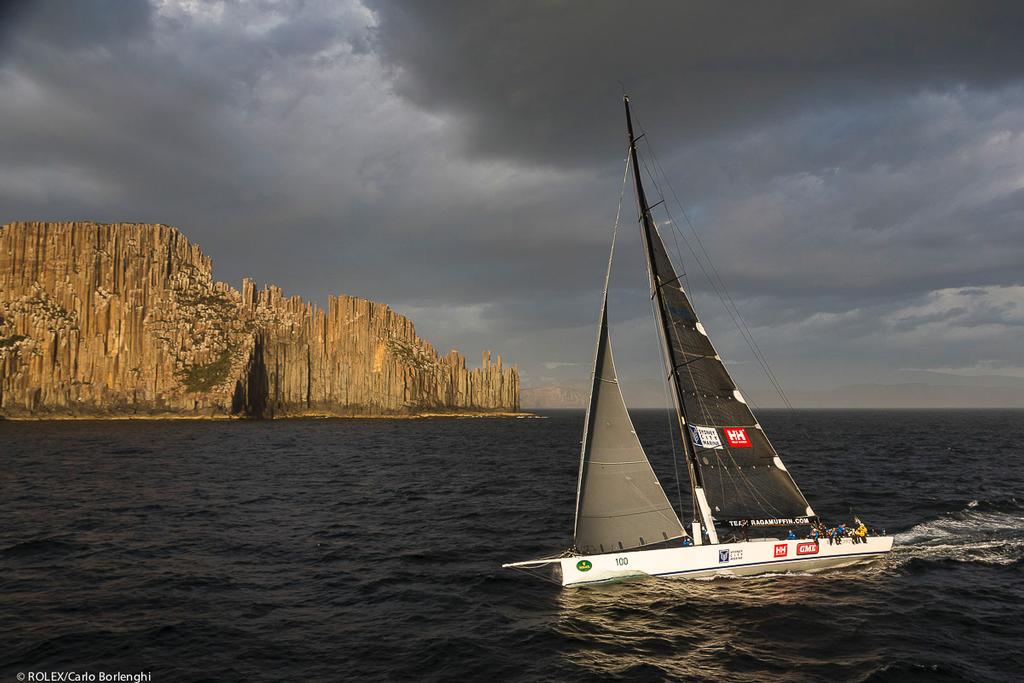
x,y
125,319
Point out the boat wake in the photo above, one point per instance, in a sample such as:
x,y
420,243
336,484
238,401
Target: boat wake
x,y
984,532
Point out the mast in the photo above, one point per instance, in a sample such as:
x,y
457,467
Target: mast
x,y
701,509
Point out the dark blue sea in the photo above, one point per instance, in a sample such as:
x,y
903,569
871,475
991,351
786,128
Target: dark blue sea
x,y
329,550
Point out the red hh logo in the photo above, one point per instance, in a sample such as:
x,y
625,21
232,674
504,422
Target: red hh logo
x,y
737,437
781,549
806,549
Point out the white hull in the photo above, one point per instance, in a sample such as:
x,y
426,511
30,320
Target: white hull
x,y
724,559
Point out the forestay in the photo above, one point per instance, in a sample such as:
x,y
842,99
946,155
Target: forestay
x,y
620,504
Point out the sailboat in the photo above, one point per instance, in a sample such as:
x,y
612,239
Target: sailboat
x,y
745,504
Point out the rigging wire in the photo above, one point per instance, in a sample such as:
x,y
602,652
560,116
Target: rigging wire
x,y
689,369
669,407
711,272
671,439
733,314
669,410
736,478
721,290
594,377
716,275
584,443
667,379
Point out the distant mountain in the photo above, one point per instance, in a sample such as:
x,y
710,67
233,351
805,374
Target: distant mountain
x,y
950,379
1006,392
919,389
552,396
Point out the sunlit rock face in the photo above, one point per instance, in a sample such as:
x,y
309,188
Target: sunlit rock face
x,y
125,319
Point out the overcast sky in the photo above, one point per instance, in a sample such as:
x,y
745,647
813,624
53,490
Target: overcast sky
x,y
855,171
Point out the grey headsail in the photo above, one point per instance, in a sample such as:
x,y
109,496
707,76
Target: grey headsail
x,y
620,503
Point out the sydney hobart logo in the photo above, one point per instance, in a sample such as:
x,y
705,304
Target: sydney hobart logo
x,y
705,437
584,565
729,555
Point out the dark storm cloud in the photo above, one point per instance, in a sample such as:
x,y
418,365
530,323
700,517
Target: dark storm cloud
x,y
800,131
72,24
537,79
856,171
165,116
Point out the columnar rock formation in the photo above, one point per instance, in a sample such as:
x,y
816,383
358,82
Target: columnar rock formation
x,y
126,319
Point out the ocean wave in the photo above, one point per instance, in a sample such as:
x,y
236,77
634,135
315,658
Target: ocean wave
x,y
987,532
1005,505
977,517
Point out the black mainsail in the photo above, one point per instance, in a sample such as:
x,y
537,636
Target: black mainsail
x,y
731,463
620,504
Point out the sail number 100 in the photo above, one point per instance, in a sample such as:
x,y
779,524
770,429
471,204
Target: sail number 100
x,y
622,561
